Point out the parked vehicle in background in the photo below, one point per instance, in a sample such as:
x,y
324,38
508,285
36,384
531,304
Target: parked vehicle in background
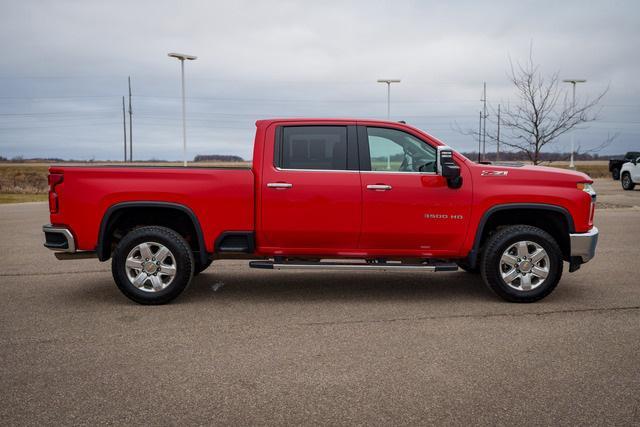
x,y
615,165
371,195
630,174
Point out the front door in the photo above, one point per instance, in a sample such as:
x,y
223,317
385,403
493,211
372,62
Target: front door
x,y
407,207
311,199
635,171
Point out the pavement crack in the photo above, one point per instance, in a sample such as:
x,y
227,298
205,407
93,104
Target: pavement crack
x,y
471,316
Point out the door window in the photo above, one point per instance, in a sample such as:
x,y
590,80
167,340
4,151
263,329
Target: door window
x,y
313,147
393,150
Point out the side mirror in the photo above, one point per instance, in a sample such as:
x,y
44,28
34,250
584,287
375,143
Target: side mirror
x,y
448,168
635,161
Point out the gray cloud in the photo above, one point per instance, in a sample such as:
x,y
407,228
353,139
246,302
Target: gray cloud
x,y
65,65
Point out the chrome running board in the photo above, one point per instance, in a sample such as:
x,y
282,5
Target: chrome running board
x,y
272,265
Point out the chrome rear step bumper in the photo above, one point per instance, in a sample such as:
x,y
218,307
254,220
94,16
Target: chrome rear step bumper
x,y
272,265
58,239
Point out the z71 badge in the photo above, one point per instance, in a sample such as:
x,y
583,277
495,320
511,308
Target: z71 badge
x,y
493,173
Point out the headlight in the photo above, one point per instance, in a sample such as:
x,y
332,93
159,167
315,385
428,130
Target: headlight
x,y
587,188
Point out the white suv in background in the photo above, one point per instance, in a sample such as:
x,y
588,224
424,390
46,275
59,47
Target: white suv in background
x,y
630,174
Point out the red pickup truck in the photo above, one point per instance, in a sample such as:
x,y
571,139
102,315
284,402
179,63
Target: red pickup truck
x,y
327,194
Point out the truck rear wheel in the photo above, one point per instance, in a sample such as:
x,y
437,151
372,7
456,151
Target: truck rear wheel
x,y
152,265
522,263
615,174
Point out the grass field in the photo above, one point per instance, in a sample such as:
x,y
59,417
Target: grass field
x,y
22,198
26,182
593,168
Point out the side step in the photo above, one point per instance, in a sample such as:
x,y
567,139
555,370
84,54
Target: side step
x,y
272,265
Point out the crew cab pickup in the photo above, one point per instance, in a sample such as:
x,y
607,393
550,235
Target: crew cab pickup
x,y
630,174
328,194
615,165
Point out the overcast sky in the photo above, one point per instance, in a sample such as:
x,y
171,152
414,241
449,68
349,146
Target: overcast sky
x,y
64,68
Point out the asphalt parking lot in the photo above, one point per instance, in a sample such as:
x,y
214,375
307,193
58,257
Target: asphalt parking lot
x,y
245,346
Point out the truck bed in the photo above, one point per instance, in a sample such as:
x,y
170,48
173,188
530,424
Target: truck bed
x,y
221,198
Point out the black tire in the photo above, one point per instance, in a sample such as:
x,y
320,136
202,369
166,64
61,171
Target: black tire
x,y
615,174
627,183
498,243
180,251
199,268
466,267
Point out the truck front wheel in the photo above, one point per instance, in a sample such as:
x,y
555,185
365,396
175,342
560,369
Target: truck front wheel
x,y
152,265
521,263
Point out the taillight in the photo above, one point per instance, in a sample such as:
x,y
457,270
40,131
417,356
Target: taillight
x,y
54,180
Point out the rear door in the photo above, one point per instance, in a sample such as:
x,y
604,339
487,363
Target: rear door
x,y
311,198
407,207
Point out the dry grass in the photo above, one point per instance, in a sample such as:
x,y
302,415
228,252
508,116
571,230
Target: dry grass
x,y
22,198
23,179
593,168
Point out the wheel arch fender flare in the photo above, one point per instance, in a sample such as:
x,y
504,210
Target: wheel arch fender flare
x,y
473,254
102,248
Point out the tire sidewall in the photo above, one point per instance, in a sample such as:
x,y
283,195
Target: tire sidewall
x,y
626,181
491,268
182,256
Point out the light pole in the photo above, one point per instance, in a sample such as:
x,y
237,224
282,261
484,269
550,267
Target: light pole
x,y
388,82
182,57
573,107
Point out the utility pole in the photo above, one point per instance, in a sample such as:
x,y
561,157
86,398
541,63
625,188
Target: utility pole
x,y
573,108
484,121
130,125
124,128
479,135
388,82
498,137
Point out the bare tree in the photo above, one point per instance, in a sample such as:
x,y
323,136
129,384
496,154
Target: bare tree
x,y
541,112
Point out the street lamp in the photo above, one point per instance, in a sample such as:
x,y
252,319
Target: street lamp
x,y
388,82
182,57
573,106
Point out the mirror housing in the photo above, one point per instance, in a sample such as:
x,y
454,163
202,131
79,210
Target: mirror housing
x,y
448,168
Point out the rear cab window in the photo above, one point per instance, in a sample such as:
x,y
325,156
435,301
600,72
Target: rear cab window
x,y
315,148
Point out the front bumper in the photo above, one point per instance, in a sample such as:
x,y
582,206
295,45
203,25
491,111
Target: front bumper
x,y
583,245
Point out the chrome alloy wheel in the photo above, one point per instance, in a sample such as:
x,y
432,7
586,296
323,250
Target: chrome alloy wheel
x,y
150,267
524,265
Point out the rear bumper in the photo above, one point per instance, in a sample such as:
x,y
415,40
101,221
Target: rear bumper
x,y
583,245
58,239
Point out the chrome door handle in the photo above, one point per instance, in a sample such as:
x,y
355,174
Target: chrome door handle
x,y
379,187
283,185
